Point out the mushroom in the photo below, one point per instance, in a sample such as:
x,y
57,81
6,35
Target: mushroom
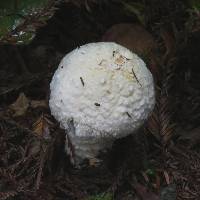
x,y
99,93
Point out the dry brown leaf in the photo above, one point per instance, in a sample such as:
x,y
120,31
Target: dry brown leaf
x,y
94,162
41,127
20,106
38,103
132,36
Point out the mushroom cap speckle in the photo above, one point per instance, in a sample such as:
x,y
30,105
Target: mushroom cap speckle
x,y
104,89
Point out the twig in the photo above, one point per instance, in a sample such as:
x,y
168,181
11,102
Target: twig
x,y
82,81
136,77
41,166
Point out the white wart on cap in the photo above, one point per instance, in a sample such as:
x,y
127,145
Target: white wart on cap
x,y
100,92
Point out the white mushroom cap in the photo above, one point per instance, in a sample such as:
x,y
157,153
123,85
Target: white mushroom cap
x,y
106,90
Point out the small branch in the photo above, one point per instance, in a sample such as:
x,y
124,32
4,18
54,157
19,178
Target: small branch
x,y
136,77
96,104
82,81
41,166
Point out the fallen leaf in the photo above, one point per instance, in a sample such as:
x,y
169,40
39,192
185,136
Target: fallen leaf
x,y
41,127
20,106
40,103
94,162
133,36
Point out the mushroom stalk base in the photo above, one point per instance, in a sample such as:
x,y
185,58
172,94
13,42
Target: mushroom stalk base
x,y
87,147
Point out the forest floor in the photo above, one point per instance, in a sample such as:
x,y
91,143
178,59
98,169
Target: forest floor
x,y
162,162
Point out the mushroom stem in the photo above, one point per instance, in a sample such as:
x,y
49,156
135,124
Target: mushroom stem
x,y
89,147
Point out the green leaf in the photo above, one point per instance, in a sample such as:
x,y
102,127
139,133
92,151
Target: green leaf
x,y
8,23
19,19
25,37
104,196
21,6
151,172
195,4
30,6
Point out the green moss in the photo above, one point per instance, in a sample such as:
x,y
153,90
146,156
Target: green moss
x,y
14,13
104,196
